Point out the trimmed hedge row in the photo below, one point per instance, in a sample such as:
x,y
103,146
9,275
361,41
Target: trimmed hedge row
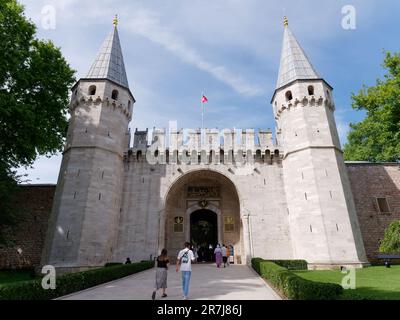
x,y
113,264
292,264
69,283
293,286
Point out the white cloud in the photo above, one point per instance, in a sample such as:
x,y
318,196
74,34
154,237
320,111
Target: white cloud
x,y
147,24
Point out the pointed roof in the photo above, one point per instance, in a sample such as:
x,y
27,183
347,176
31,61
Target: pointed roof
x,y
294,62
109,62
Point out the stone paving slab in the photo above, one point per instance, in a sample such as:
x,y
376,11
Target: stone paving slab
x,y
208,283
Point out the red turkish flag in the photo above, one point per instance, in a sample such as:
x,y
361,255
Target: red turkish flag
x,y
204,99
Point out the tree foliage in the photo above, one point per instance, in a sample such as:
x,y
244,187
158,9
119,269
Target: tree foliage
x,y
34,94
391,240
377,137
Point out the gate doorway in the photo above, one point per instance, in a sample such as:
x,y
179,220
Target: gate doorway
x,y
204,233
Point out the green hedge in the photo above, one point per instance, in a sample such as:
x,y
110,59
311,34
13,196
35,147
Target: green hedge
x,y
113,264
69,283
292,264
293,286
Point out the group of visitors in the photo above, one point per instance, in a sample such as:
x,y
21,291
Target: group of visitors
x,y
209,253
184,261
223,255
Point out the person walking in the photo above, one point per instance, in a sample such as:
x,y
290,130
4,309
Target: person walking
x,y
161,274
224,255
195,253
210,253
228,254
201,254
184,263
232,256
218,255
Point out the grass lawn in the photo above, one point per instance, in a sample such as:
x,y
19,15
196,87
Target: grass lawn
x,y
376,283
14,276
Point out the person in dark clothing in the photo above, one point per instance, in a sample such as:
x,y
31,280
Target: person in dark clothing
x,y
128,261
201,255
161,274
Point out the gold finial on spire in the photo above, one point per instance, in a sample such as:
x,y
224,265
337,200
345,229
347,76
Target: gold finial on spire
x,y
115,21
285,22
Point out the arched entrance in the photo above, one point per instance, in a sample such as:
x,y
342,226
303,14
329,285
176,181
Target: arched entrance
x,y
202,200
204,233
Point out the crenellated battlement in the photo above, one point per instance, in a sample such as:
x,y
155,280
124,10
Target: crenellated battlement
x,y
211,145
306,101
87,100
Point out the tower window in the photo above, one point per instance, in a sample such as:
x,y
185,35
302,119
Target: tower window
x,y
129,106
92,90
310,90
114,95
289,95
383,205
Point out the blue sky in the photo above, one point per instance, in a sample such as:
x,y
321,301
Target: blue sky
x,y
175,49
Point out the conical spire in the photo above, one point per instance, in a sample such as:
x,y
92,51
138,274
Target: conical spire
x,y
109,63
294,62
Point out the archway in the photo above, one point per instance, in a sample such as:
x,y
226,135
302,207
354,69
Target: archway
x,y
202,191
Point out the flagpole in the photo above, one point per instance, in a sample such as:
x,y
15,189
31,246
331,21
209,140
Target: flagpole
x,y
202,112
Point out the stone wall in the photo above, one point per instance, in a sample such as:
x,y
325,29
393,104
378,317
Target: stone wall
x,y
263,216
368,182
25,242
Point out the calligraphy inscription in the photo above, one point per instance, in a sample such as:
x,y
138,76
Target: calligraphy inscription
x,y
203,192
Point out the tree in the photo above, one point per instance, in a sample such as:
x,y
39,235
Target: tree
x,y
34,94
391,240
377,137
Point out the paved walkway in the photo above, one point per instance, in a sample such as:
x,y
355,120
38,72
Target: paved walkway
x,y
207,283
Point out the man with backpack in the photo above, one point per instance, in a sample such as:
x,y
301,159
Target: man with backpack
x,y
184,263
